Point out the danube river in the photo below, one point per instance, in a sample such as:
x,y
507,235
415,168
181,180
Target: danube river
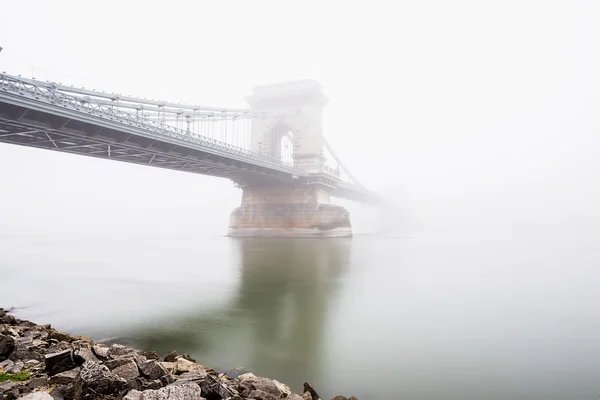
x,y
424,316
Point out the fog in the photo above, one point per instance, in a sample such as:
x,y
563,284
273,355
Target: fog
x,y
477,121
460,113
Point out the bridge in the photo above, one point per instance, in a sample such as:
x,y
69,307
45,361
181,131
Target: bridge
x,y
275,151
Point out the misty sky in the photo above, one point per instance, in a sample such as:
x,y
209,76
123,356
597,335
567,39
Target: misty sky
x,y
462,110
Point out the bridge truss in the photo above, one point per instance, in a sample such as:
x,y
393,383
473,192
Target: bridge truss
x,y
198,139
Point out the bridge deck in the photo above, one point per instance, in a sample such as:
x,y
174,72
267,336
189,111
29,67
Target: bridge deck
x,y
38,116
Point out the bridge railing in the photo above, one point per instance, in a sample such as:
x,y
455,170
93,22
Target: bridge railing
x,y
48,93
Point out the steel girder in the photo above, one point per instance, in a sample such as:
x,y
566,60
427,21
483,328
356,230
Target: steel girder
x,y
38,115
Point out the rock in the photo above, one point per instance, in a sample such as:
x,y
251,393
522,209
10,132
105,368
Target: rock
x,y
306,396
37,382
294,396
25,352
116,362
128,371
16,367
7,345
55,347
248,375
259,388
37,333
12,394
65,378
58,335
6,386
176,391
100,350
187,357
282,388
340,398
16,392
83,355
133,395
31,363
8,319
38,396
83,352
60,392
117,350
96,380
195,375
81,338
59,362
212,388
260,395
171,357
167,379
352,398
183,365
152,369
25,340
309,389
142,383
235,373
40,343
6,364
150,355
170,367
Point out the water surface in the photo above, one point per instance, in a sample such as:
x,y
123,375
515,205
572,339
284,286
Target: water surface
x,y
424,316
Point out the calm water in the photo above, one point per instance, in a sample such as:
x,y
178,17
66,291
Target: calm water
x,y
470,316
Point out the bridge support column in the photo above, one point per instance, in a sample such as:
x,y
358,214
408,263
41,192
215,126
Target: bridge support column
x,y
287,212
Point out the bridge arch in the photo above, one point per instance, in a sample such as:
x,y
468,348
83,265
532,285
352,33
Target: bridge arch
x,y
281,146
300,105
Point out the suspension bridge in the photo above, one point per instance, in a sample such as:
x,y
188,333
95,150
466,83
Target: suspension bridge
x,y
275,150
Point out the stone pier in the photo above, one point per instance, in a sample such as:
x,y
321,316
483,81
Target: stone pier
x,y
287,212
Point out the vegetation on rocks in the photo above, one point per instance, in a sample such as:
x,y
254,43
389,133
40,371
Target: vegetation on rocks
x,y
18,377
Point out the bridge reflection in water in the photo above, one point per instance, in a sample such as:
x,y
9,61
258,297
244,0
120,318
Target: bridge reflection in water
x,y
275,323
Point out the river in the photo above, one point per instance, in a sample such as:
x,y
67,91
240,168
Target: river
x,y
424,316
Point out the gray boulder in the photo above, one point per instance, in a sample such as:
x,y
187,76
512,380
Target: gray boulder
x,y
16,367
83,352
96,380
151,368
27,352
37,396
100,350
259,388
38,382
61,392
59,362
117,350
171,357
7,345
6,364
65,377
176,391
128,371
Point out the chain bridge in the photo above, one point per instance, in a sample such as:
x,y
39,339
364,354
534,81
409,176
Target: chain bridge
x,y
275,150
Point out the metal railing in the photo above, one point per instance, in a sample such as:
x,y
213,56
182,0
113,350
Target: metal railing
x,y
60,97
48,93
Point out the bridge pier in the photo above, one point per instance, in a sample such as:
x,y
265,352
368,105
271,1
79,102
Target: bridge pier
x,y
288,212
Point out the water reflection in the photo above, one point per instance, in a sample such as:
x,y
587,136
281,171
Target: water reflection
x,y
274,324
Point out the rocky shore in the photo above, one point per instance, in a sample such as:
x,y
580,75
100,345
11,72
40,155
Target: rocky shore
x,y
38,362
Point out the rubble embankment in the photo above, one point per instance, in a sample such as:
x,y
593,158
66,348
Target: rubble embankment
x,y
38,362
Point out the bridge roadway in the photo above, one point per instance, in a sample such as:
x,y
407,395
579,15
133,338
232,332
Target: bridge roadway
x,y
37,114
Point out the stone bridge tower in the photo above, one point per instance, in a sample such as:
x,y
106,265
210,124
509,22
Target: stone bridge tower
x,y
283,210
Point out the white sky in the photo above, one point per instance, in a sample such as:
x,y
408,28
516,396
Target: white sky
x,y
460,108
